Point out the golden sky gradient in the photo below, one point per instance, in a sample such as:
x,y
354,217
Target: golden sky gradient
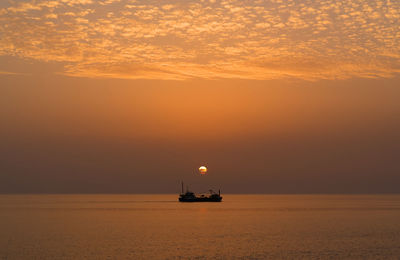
x,y
275,96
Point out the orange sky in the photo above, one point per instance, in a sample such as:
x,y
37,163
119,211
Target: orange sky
x,y
180,40
133,96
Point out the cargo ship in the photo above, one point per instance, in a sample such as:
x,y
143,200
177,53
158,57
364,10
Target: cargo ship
x,y
189,196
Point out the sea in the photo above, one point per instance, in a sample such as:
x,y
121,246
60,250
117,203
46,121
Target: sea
x,y
160,227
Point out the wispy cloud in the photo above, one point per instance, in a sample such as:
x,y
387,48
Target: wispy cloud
x,y
177,39
6,73
2,72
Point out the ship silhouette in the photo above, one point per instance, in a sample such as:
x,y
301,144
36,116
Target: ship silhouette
x,y
189,196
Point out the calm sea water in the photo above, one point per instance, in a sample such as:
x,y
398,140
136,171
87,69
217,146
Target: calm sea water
x,y
159,227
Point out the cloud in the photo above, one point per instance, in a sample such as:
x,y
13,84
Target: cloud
x,y
2,72
207,39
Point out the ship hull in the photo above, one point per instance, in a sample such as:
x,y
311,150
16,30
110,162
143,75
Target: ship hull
x,y
200,199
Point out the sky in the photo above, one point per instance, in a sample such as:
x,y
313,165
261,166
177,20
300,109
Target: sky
x,y
130,96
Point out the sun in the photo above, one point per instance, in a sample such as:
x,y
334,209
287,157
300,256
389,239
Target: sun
x,y
203,170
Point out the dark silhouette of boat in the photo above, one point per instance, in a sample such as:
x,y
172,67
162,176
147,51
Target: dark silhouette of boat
x,y
189,196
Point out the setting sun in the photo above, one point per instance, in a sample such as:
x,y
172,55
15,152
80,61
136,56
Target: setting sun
x,y
203,170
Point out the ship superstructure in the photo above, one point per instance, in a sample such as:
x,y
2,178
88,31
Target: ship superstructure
x,y
189,196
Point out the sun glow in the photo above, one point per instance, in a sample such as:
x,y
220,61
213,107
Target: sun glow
x,y
203,170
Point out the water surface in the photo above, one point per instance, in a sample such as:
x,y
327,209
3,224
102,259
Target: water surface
x,y
159,227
